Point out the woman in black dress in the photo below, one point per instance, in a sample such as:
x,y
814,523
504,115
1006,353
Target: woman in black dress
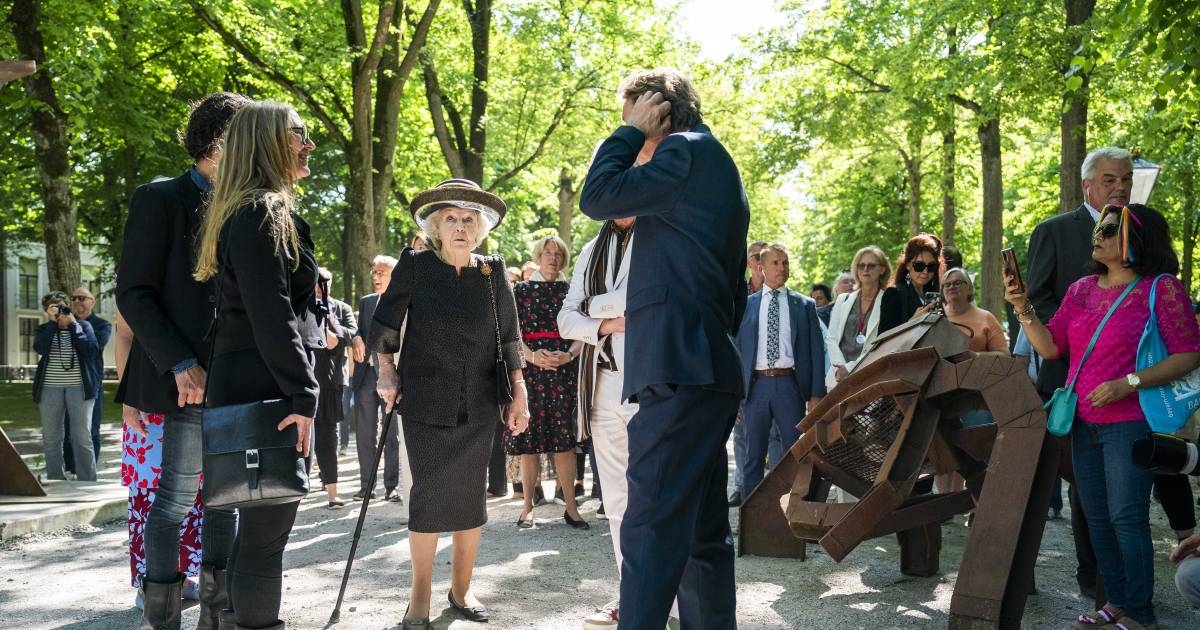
x,y
261,250
552,373
917,273
461,319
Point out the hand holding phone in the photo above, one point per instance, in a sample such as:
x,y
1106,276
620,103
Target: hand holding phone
x,y
1011,270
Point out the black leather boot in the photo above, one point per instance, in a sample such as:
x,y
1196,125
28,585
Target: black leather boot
x,y
163,602
278,626
213,597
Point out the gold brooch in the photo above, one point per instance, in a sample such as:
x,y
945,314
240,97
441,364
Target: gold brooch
x,y
485,269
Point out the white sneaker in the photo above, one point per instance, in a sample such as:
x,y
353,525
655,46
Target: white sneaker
x,y
603,619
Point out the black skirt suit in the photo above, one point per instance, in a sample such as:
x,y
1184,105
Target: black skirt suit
x,y
448,375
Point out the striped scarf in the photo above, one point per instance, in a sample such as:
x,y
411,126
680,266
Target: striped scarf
x,y
596,283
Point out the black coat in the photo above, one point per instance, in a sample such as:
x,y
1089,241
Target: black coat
x,y
898,304
168,311
1059,251
266,325
686,290
342,315
448,355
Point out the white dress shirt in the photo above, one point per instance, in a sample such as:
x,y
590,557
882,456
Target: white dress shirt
x,y
786,360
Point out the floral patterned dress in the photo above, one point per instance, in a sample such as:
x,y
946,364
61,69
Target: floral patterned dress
x,y
552,393
141,466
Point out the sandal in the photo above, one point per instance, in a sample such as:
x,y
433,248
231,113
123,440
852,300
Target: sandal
x,y
1098,618
525,523
1125,623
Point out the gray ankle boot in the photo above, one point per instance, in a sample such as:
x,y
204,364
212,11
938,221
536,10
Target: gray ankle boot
x,y
213,597
163,602
226,620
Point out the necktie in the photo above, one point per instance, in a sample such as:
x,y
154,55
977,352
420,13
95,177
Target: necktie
x,y
773,330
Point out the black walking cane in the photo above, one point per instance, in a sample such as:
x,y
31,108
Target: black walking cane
x,y
362,515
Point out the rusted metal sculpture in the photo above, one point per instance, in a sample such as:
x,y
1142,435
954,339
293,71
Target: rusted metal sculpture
x,y
881,434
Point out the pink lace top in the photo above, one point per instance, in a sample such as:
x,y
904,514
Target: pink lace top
x,y
1116,350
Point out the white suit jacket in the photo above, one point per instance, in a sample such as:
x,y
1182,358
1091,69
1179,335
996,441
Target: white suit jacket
x,y
837,324
575,325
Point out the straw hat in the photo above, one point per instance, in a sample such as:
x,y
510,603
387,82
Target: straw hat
x,y
458,193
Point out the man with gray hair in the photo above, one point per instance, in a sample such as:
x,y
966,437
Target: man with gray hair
x,y
1059,249
368,407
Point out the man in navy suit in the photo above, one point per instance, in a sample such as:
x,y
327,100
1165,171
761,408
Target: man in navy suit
x,y
685,298
368,407
783,360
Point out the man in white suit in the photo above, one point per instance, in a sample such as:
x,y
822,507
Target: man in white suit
x,y
594,312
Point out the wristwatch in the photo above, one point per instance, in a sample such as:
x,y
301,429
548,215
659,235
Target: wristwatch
x,y
1133,380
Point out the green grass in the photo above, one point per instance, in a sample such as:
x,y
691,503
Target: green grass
x,y
18,411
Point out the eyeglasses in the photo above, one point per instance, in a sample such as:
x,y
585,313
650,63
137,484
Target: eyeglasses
x,y
302,132
921,267
1106,230
954,284
81,298
866,266
555,254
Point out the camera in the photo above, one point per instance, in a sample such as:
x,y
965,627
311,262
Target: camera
x,y
1167,454
61,309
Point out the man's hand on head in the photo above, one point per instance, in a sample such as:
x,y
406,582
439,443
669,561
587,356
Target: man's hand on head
x,y
650,114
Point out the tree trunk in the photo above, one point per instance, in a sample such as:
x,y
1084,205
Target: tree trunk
x,y
990,296
949,212
480,18
567,194
912,170
1073,123
1188,184
52,148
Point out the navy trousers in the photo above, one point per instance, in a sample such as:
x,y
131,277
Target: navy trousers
x,y
675,537
774,401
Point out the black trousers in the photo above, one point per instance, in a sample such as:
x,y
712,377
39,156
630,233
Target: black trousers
x,y
1174,493
325,443
255,569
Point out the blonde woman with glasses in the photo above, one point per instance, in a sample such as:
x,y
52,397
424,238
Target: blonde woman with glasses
x,y
854,321
260,251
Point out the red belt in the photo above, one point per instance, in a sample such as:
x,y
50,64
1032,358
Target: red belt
x,y
541,335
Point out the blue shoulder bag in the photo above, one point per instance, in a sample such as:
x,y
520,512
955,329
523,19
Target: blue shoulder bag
x,y
1166,406
1061,406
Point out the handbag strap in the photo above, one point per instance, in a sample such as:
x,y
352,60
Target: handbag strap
x,y
489,272
1096,335
1154,293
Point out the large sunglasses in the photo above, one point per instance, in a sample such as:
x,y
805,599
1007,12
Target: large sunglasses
x,y
867,266
921,267
1106,230
302,132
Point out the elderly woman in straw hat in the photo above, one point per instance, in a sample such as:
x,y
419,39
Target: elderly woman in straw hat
x,y
461,346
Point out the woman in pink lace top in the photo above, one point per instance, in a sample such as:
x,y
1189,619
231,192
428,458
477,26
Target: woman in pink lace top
x,y
1129,245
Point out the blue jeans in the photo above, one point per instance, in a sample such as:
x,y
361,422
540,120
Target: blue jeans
x,y
182,459
1116,497
1187,580
56,401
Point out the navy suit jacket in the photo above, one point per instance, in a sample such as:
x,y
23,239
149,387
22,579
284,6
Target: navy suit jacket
x,y
808,346
686,290
366,313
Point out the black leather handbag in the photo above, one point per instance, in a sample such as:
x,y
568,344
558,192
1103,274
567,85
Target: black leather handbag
x,y
503,386
248,462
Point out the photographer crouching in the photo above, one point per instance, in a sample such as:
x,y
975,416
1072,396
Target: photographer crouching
x,y
66,380
1167,454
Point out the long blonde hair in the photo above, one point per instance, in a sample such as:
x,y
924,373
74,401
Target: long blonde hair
x,y
257,166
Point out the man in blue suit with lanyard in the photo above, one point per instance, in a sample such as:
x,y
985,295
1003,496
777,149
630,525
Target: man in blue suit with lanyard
x,y
685,298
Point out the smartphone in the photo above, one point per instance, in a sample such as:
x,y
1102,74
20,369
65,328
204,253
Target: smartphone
x,y
934,298
1011,268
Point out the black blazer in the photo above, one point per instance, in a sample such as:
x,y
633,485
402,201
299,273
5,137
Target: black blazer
x,y
260,351
898,303
448,356
168,311
366,314
1059,251
348,327
686,290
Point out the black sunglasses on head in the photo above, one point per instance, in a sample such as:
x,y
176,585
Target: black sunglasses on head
x,y
1106,230
921,267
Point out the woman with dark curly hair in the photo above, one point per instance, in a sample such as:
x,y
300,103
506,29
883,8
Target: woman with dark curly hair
x,y
916,273
1131,246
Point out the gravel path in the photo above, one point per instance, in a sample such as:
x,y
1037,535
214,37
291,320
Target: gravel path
x,y
545,578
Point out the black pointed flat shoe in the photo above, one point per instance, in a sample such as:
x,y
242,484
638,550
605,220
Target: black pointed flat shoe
x,y
525,523
413,624
580,524
470,613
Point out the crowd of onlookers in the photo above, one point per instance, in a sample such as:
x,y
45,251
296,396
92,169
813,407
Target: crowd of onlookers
x,y
546,343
